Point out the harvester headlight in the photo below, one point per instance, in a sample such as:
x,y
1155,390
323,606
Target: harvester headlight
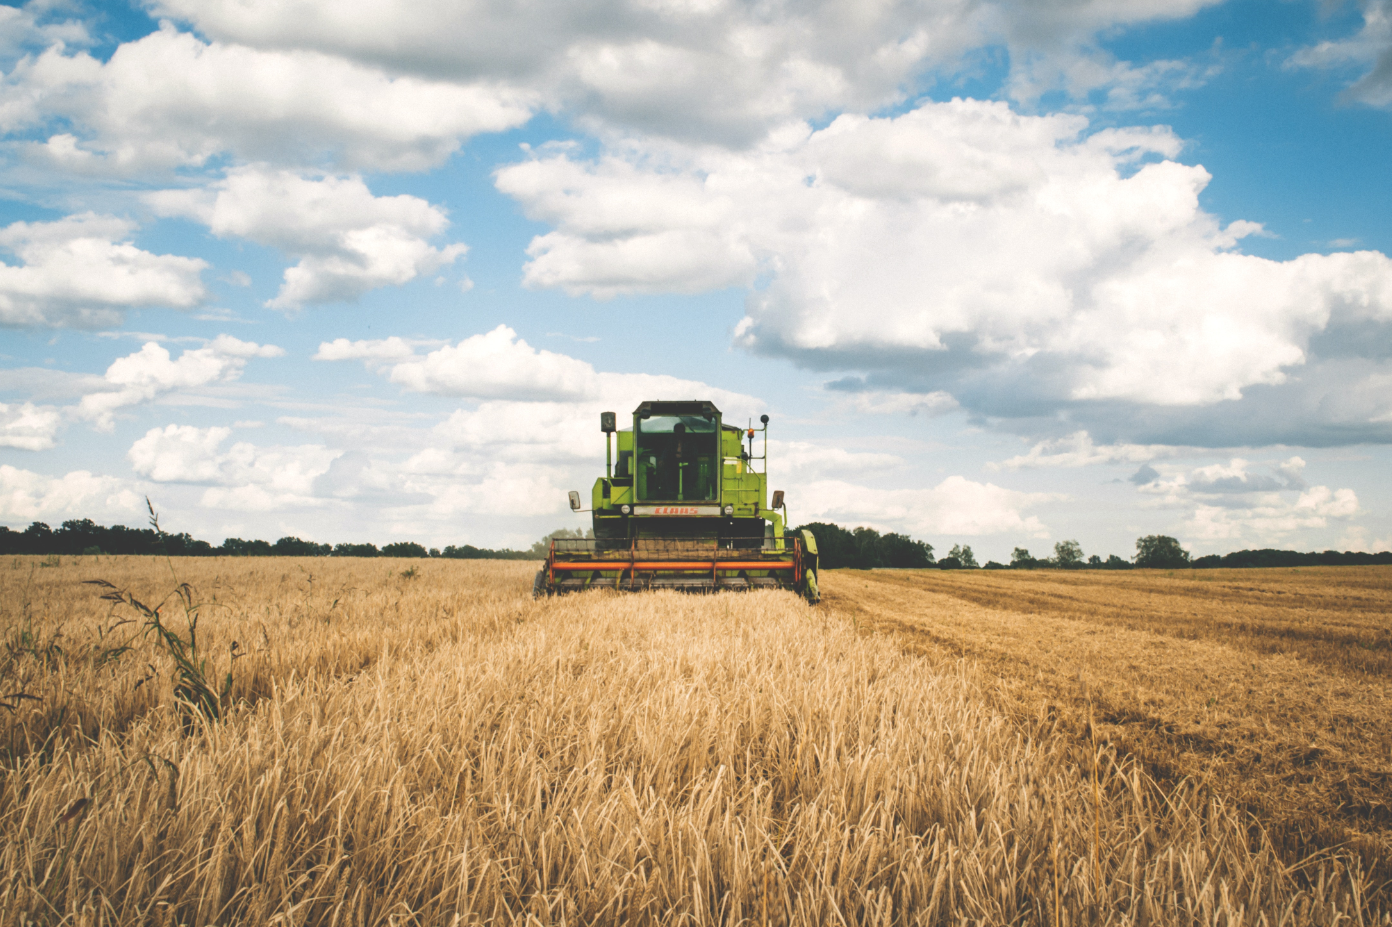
x,y
729,510
626,509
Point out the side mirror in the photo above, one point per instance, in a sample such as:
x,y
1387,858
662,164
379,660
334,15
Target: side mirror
x,y
574,501
608,422
777,499
763,419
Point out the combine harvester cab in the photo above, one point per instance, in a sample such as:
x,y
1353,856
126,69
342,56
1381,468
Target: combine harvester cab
x,y
683,509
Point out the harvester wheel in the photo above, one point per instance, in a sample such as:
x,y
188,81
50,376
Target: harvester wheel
x,y
810,589
539,585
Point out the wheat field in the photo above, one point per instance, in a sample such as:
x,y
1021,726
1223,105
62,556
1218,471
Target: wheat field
x,y
1273,688
419,742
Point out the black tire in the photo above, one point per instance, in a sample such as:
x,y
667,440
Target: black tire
x,y
539,585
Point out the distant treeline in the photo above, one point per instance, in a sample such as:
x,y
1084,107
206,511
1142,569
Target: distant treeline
x,y
865,548
85,536
854,548
1289,558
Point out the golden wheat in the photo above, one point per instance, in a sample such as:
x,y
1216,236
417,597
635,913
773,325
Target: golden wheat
x,y
437,748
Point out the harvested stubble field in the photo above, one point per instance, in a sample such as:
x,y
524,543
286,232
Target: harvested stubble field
x,y
420,742
1273,688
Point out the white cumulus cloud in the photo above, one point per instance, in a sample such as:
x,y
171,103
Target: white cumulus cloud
x,y
1236,476
29,427
960,246
536,431
348,241
499,365
152,371
28,496
171,100
623,229
1370,51
83,271
713,71
179,453
35,26
481,487
244,476
803,461
1236,483
382,349
1245,503
1273,517
956,507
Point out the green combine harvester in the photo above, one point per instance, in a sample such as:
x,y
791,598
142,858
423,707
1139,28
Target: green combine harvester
x,y
684,509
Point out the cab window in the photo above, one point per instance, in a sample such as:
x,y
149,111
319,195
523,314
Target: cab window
x,y
677,458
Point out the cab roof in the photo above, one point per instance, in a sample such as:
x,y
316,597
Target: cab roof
x,y
686,407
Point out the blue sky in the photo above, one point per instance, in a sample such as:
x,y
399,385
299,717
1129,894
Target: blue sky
x,y
1001,273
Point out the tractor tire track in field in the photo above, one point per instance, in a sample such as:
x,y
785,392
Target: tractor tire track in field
x,y
1208,683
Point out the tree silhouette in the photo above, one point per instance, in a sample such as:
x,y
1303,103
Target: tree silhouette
x,y
1068,554
1160,552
